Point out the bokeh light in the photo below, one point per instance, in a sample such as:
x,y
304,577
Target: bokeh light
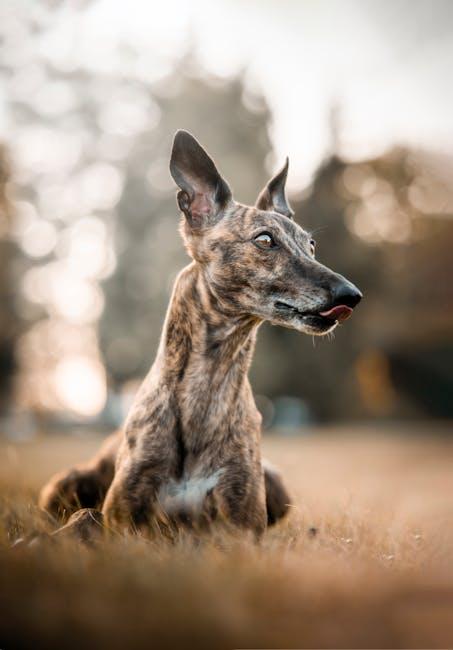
x,y
80,385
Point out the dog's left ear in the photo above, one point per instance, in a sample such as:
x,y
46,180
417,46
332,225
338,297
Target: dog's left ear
x,y
273,196
203,192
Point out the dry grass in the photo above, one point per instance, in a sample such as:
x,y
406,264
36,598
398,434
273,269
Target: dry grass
x,y
364,561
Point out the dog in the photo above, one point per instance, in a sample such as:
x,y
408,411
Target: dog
x,y
190,448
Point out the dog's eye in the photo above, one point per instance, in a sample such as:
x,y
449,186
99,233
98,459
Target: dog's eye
x,y
265,240
312,246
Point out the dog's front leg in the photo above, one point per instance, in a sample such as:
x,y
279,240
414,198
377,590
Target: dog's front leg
x,y
242,497
131,501
147,460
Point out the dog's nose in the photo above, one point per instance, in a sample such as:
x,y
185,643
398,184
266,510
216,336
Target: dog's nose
x,y
346,293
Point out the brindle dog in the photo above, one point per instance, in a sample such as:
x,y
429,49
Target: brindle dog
x,y
191,444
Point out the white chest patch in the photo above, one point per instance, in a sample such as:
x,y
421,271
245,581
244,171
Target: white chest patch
x,y
188,494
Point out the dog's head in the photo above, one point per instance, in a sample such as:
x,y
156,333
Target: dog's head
x,y
257,260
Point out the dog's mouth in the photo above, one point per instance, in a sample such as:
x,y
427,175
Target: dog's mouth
x,y
321,321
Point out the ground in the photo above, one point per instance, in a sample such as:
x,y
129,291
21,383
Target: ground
x,y
365,559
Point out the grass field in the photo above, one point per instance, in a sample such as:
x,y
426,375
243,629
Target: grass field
x,y
365,559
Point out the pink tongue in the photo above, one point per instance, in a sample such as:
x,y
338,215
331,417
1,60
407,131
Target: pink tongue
x,y
340,313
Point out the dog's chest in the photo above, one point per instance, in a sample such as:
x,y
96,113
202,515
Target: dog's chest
x,y
188,494
209,407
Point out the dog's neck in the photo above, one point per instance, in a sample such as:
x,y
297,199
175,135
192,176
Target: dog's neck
x,y
199,377
198,384
200,371
203,339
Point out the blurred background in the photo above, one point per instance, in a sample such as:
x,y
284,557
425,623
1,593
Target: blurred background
x,y
358,93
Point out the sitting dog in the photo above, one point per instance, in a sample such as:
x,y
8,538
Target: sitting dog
x,y
190,449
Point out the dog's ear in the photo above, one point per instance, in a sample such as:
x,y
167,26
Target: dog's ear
x,y
273,196
203,192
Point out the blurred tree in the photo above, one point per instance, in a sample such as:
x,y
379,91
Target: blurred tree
x,y
234,128
387,225
321,371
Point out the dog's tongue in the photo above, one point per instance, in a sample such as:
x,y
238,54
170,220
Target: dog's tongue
x,y
339,313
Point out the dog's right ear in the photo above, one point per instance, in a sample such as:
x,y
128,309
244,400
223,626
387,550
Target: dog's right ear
x,y
203,192
273,196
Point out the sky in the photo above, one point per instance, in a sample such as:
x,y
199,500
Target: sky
x,y
385,66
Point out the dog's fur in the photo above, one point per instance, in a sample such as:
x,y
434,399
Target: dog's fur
x,y
191,445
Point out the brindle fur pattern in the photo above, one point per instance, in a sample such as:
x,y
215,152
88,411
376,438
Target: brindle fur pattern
x,y
190,450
